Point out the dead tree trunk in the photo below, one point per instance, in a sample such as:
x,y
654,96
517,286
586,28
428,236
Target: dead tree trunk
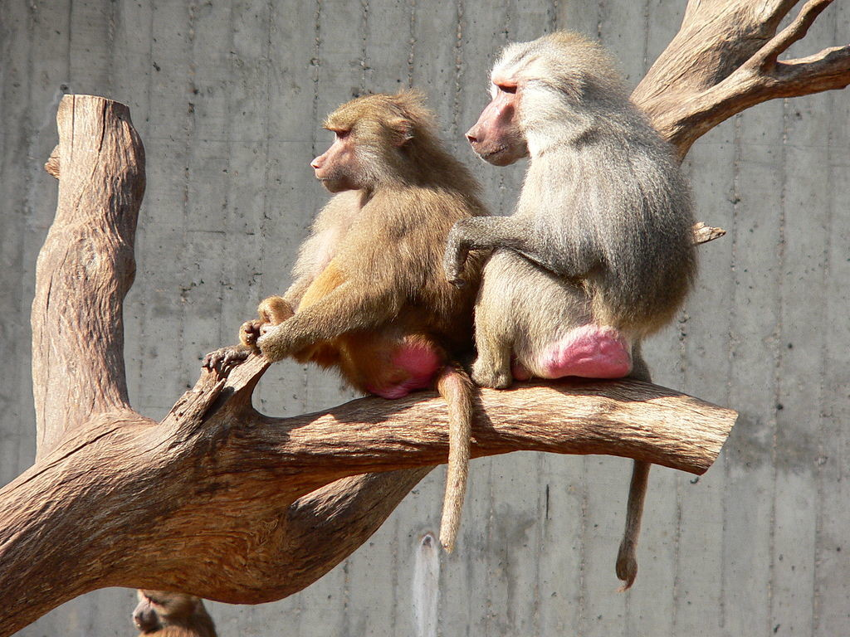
x,y
278,502
236,506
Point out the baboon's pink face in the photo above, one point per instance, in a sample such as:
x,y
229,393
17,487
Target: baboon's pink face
x,y
337,168
145,616
496,136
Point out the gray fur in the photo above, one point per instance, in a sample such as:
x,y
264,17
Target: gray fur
x,y
602,232
604,208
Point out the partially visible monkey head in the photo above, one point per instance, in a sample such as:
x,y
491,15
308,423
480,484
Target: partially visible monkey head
x,y
163,613
561,78
376,137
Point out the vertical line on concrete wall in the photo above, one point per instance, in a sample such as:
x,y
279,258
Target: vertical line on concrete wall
x,y
140,235
190,133
540,530
110,47
824,368
14,212
317,66
552,16
601,13
426,587
25,304
346,597
70,36
585,535
392,546
458,70
824,355
29,134
646,24
267,46
411,55
777,355
365,65
317,63
677,543
492,530
227,214
732,336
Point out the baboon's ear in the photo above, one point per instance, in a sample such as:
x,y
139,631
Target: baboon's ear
x,y
402,129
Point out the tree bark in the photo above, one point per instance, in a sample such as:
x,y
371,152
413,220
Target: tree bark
x,y
203,501
86,266
221,501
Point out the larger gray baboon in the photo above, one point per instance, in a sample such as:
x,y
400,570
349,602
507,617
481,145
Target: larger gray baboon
x,y
598,253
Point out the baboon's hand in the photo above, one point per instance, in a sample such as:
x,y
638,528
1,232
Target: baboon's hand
x,y
454,258
224,358
250,331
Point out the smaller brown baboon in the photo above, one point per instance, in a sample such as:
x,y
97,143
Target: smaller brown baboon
x,y
369,296
164,614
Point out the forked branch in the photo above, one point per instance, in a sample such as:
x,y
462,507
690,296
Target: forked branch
x,y
794,32
705,76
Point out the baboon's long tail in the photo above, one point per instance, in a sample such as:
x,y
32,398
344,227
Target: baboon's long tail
x,y
456,388
626,557
627,566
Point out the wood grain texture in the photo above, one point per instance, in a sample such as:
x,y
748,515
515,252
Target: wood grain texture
x,y
278,502
86,268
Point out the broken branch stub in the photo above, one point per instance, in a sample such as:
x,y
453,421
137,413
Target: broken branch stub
x,y
86,268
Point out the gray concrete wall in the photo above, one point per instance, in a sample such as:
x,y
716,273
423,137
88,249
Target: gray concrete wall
x,y
228,97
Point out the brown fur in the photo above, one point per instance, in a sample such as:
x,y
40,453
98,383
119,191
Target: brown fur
x,y
601,237
164,614
368,280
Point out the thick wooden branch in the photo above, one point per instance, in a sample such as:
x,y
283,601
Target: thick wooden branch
x,y
794,32
239,507
623,418
725,60
78,336
704,233
824,71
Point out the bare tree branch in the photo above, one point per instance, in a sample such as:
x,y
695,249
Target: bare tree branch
x,y
704,233
78,356
824,71
724,60
794,32
271,499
